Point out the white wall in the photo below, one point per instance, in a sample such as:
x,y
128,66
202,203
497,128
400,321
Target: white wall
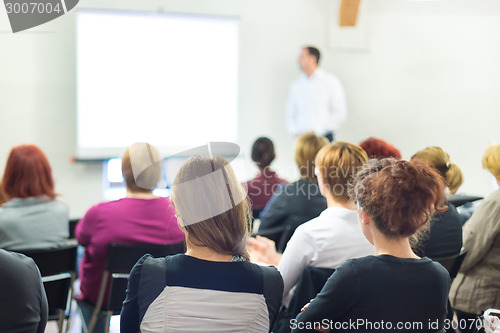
x,y
429,77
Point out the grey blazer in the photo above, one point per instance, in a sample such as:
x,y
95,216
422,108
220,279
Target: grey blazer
x,y
34,222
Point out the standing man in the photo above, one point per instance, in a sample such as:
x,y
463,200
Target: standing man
x,y
316,100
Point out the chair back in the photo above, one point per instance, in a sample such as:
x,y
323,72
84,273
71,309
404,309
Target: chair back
x,y
121,260
310,284
452,263
460,199
58,269
72,226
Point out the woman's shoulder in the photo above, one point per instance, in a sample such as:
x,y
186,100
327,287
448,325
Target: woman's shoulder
x,y
270,273
60,204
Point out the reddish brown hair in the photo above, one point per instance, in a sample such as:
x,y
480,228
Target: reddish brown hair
x,y
378,148
399,196
27,173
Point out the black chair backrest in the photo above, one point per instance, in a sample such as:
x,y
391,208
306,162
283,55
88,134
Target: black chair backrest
x,y
52,261
57,267
310,284
72,226
122,258
460,199
452,263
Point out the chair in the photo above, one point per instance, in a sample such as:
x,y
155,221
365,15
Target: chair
x,y
121,259
72,226
460,199
57,267
310,284
452,263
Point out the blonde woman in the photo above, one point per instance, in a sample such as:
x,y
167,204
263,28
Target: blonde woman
x,y
445,235
334,236
477,287
300,201
395,290
213,287
141,217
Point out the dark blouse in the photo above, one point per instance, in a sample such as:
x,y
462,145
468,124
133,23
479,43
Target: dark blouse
x,y
380,294
181,293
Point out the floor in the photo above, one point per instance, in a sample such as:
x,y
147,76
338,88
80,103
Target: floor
x,y
76,325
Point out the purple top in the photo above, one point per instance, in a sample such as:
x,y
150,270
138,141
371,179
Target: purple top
x,y
126,221
262,187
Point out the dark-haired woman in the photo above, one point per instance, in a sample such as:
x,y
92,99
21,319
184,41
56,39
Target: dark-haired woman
x,y
33,216
213,287
262,187
395,290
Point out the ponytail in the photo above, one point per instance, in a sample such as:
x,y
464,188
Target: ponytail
x,y
454,178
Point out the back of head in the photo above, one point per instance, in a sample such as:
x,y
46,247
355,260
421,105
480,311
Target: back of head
x,y
491,159
440,160
263,152
308,145
212,205
27,173
399,196
141,167
378,148
338,163
314,52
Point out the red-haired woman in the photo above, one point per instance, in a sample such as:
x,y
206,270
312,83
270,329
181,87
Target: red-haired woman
x,y
378,148
394,291
32,217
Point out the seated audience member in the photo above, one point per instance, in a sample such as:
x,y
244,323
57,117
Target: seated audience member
x,y
295,203
395,200
139,218
22,301
477,287
32,217
378,148
335,235
445,235
213,287
261,188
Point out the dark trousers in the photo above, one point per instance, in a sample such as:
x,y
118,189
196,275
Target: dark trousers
x,y
329,136
469,323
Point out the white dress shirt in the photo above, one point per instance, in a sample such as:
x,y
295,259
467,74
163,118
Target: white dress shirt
x,y
315,103
325,241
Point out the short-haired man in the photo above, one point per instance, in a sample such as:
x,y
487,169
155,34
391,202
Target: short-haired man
x,y
316,100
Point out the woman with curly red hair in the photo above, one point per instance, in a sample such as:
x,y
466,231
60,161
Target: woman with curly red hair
x,y
395,290
32,217
378,148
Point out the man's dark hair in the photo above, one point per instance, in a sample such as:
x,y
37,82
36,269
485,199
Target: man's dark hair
x,y
314,52
263,152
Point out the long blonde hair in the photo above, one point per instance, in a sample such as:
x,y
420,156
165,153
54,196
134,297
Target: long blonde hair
x,y
212,205
440,160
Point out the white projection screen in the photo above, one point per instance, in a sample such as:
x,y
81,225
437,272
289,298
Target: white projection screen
x,y
167,79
